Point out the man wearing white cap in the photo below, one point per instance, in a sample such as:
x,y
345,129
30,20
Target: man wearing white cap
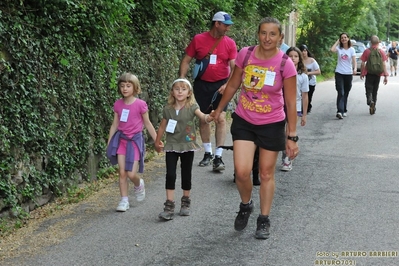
x,y
217,52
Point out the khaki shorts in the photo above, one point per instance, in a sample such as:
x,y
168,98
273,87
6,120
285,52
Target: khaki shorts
x,y
393,62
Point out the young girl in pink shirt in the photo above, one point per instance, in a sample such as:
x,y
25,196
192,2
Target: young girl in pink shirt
x,y
126,145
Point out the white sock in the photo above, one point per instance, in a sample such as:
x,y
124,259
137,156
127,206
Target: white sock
x,y
125,199
208,147
218,152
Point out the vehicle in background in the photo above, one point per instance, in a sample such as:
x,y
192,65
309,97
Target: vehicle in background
x,y
359,49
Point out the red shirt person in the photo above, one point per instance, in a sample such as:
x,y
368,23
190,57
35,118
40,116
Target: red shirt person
x,y
373,80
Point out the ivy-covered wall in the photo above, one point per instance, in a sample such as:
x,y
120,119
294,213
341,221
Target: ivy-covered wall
x,y
59,60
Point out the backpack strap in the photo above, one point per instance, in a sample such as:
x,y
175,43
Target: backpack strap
x,y
282,66
249,52
283,61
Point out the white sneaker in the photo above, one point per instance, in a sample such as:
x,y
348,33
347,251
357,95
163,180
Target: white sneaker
x,y
339,116
344,114
286,166
139,192
122,206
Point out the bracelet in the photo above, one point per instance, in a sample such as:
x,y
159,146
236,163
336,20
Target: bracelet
x,y
205,118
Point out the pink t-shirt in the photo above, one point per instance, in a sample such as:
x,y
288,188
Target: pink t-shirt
x,y
133,123
261,104
225,51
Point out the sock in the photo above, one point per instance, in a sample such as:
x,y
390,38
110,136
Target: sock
x,y
218,152
266,217
246,204
125,199
208,147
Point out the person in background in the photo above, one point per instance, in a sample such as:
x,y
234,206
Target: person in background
x,y
313,69
259,119
208,89
179,124
344,71
393,58
373,80
284,47
302,86
126,145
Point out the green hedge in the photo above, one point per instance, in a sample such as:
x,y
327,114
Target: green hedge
x,y
58,65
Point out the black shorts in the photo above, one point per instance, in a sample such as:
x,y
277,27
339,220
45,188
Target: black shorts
x,y
269,137
204,92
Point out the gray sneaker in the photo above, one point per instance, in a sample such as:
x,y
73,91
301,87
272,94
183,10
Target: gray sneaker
x,y
168,210
208,158
185,206
262,227
218,164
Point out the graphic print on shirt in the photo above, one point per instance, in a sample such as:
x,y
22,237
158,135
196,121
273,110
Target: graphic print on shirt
x,y
253,82
190,134
344,56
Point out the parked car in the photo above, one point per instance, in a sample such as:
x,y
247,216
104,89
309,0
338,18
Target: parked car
x,y
359,49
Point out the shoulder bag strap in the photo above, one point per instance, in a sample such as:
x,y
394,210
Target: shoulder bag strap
x,y
214,46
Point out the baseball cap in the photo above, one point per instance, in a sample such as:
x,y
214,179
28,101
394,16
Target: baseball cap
x,y
223,17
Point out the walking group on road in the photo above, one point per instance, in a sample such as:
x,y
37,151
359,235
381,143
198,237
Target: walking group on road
x,y
276,84
372,67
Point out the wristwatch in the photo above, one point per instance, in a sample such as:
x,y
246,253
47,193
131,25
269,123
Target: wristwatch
x,y
294,139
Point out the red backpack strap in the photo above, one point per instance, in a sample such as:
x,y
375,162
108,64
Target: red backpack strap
x,y
283,61
249,52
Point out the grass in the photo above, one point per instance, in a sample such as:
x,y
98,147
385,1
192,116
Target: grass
x,y
74,194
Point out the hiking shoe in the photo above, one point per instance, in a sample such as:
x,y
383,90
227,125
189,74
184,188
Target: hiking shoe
x,y
344,114
372,108
185,206
286,165
208,157
122,206
139,192
262,227
168,210
339,116
218,164
243,214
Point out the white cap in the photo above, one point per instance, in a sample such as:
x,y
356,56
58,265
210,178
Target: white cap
x,y
223,17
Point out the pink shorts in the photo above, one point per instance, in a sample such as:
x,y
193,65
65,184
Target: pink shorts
x,y
122,149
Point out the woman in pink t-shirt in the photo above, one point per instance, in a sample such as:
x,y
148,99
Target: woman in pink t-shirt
x,y
259,119
126,145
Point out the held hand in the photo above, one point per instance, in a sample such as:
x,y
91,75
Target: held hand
x,y
159,146
214,115
208,118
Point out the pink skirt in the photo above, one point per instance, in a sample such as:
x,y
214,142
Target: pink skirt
x,y
122,149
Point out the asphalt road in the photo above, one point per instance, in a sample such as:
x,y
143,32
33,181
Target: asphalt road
x,y
338,206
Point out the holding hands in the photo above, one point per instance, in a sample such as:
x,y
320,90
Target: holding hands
x,y
159,146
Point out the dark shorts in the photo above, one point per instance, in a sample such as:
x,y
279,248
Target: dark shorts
x,y
205,91
269,137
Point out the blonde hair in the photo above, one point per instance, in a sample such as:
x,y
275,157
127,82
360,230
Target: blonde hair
x,y
129,77
190,98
